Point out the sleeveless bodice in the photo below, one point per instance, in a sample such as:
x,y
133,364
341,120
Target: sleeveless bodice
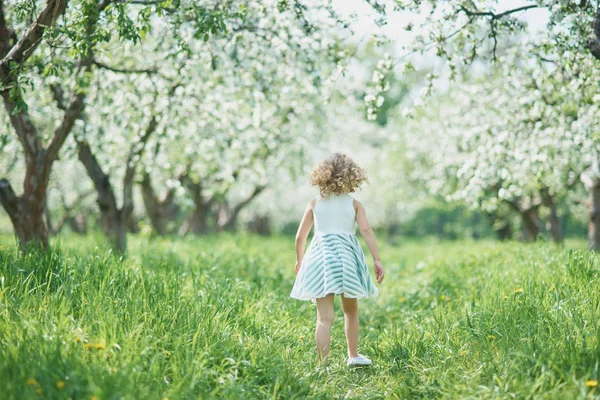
x,y
334,262
334,214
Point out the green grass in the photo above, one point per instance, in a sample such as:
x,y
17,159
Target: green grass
x,y
211,318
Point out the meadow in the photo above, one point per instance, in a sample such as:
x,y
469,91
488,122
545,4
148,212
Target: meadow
x,y
211,318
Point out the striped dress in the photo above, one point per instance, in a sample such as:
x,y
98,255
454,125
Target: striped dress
x,y
334,261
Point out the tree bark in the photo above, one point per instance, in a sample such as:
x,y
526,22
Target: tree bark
x,y
115,221
530,218
531,224
160,211
500,225
592,185
27,216
111,218
197,222
227,218
553,224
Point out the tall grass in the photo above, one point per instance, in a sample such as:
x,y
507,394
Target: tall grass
x,y
211,318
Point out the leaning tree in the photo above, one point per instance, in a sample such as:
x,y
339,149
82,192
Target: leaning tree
x,y
61,39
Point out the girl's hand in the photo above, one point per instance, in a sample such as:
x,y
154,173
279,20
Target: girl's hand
x,y
379,274
297,267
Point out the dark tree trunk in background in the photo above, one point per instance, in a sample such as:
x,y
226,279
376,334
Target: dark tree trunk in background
x,y
160,212
531,224
227,217
197,221
260,224
133,224
78,224
594,218
112,220
592,185
504,232
441,222
475,223
553,224
73,217
500,225
115,221
48,216
26,214
529,217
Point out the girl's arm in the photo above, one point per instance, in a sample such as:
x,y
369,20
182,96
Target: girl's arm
x,y
367,233
303,231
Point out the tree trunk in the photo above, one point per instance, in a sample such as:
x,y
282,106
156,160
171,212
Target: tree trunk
x,y
198,221
77,224
553,224
504,232
227,217
27,216
500,225
594,216
441,222
531,224
48,216
160,212
112,220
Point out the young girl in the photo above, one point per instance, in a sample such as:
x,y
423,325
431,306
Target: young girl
x,y
334,262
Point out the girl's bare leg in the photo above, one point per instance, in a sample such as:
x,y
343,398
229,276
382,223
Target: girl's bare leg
x,y
324,323
351,324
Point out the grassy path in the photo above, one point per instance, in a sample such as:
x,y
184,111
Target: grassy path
x,y
211,318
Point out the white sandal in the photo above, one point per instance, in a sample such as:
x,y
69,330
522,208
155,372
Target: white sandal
x,y
358,361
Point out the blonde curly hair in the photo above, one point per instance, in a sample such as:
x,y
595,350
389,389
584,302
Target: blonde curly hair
x,y
338,174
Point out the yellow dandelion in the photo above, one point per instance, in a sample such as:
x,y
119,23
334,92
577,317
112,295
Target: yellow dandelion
x,y
32,381
60,385
505,297
491,337
165,398
93,398
78,339
98,346
402,299
591,383
519,290
442,297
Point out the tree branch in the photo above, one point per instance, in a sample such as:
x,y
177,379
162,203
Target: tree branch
x,y
136,150
23,49
7,34
24,127
495,16
148,71
8,199
58,94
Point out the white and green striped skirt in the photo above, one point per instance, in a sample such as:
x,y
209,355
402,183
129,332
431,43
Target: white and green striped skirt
x,y
334,263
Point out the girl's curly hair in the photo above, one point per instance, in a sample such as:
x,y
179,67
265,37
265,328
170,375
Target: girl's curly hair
x,y
338,174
